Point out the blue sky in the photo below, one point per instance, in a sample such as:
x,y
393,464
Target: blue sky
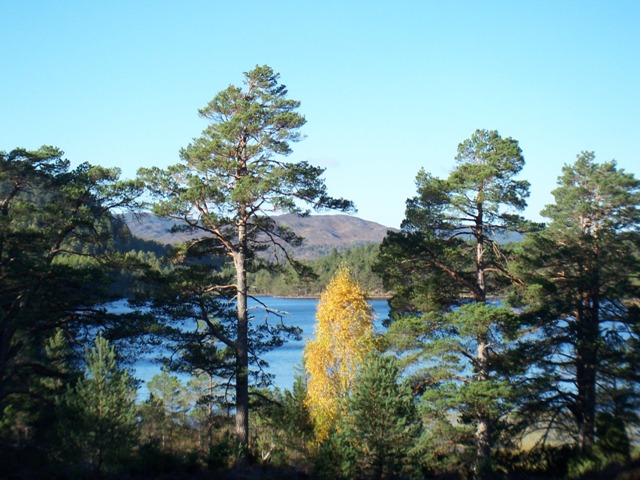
x,y
386,87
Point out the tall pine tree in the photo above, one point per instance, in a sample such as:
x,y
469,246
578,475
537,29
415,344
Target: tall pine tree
x,y
582,300
231,179
448,254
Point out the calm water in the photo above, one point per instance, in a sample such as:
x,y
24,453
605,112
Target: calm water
x,y
284,360
301,313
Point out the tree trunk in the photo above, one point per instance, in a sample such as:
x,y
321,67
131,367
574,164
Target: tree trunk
x,y
586,375
242,350
586,402
483,429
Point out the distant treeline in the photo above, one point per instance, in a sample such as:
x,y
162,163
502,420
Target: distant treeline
x,y
279,282
288,283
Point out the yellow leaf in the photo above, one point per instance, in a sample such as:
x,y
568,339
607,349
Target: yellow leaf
x,y
344,335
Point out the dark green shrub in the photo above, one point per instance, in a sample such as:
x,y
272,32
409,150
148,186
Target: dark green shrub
x,y
223,454
542,460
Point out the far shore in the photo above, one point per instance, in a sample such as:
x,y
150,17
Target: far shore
x,y
314,297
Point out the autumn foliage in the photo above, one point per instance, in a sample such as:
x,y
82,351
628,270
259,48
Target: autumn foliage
x,y
344,336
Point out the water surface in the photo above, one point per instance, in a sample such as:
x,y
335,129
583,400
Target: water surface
x,y
283,361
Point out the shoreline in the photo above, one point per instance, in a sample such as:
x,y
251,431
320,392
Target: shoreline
x,y
314,297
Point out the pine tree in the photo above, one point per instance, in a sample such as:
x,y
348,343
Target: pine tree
x,y
171,398
99,428
447,255
56,255
581,298
344,336
231,180
380,424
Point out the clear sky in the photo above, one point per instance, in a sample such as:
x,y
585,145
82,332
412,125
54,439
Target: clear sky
x,y
386,87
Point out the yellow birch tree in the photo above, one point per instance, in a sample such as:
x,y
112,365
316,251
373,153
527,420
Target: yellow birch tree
x,y
344,336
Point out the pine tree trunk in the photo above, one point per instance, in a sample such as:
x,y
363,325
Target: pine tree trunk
x,y
586,361
242,351
483,429
585,416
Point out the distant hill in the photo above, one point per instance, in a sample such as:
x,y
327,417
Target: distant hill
x,y
322,233
149,227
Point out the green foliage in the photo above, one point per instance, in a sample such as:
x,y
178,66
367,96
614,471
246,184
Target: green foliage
x,y
98,429
466,395
184,431
543,461
199,328
58,265
448,244
612,437
283,433
232,170
580,300
33,420
334,459
167,408
223,454
612,448
439,346
178,417
380,425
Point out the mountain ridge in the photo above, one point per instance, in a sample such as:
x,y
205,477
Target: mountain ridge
x,y
322,233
